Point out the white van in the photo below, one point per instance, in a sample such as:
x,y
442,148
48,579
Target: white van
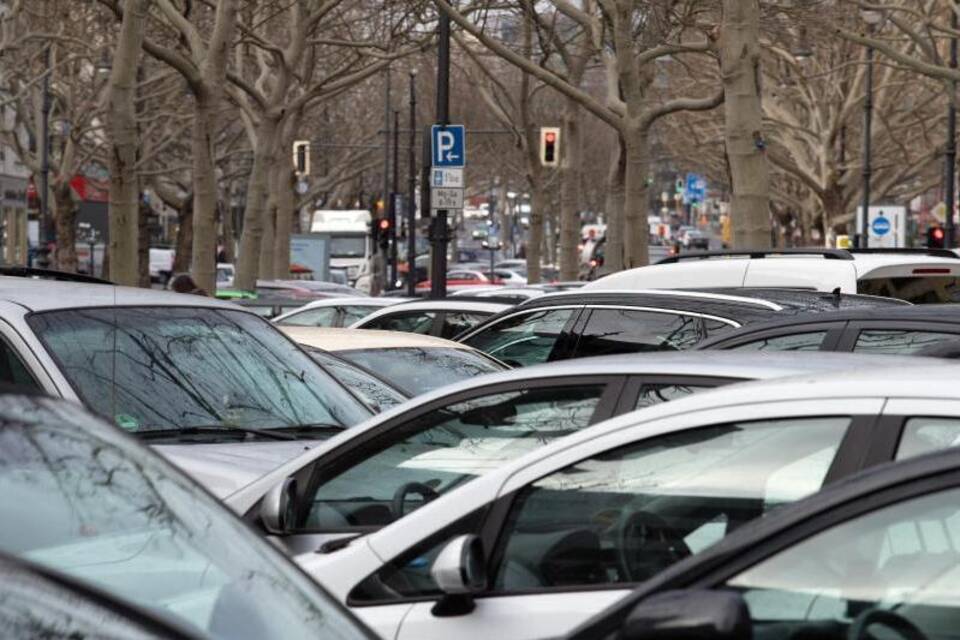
x,y
349,232
915,275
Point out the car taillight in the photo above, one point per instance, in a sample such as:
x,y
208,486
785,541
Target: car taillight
x,y
920,271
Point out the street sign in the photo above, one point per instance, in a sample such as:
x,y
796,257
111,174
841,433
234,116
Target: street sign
x,y
886,226
695,189
446,178
880,225
446,198
448,145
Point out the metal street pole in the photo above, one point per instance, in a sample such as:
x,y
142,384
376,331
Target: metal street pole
x,y
863,231
950,159
411,191
43,251
394,194
438,276
380,259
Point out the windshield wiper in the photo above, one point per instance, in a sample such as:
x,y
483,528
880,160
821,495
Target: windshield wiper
x,y
308,429
271,434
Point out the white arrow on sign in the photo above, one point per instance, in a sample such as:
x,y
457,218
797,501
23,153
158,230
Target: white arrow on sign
x,y
445,143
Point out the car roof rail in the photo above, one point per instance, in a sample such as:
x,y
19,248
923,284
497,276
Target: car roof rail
x,y
20,271
828,254
920,251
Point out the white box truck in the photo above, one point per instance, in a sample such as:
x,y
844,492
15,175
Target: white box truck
x,y
349,233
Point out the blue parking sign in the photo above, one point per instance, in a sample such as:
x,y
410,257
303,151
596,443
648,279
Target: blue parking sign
x,y
447,145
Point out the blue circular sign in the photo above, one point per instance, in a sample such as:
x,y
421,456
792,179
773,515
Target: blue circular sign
x,y
880,226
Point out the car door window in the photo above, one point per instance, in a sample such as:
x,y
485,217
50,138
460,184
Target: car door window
x,y
625,515
456,322
807,341
904,341
524,339
354,313
445,448
924,435
320,317
610,331
411,322
651,394
12,369
899,562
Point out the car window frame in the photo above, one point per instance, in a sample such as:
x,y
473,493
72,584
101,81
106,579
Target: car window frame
x,y
855,327
636,382
562,349
833,341
348,453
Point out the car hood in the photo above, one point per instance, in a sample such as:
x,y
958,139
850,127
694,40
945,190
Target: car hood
x,y
224,468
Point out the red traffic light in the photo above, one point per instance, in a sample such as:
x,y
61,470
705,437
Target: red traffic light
x,y
384,224
938,233
550,137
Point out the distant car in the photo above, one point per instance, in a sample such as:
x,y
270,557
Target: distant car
x,y
316,286
915,275
440,318
412,363
505,522
161,264
509,277
334,312
300,290
88,511
873,556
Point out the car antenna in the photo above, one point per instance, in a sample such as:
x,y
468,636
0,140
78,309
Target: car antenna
x,y
836,297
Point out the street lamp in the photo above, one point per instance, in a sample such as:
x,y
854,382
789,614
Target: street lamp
x,y
950,153
872,18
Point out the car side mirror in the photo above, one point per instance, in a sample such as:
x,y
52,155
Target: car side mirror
x,y
460,572
276,508
689,615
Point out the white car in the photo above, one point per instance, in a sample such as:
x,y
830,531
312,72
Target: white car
x,y
535,547
441,318
334,312
925,275
410,362
519,294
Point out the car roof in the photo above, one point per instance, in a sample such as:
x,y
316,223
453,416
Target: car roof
x,y
49,295
442,305
357,301
930,313
336,339
810,298
786,518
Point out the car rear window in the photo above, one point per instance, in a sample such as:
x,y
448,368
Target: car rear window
x,y
919,289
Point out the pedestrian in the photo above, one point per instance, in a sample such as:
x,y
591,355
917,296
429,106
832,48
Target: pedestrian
x,y
184,283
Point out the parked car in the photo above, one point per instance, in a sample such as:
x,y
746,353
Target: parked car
x,y
535,547
589,323
515,294
441,318
218,390
874,556
889,330
918,276
160,261
371,389
410,362
334,312
316,286
372,474
90,509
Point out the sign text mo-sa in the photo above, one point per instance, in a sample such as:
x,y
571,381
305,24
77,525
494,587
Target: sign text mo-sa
x,y
448,146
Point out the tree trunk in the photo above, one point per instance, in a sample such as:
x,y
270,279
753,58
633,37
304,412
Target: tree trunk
x,y
570,192
65,220
636,226
534,248
286,211
616,191
265,263
750,173
251,239
143,245
203,262
122,135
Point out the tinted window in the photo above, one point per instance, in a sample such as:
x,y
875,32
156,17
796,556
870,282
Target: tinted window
x,y
417,370
456,322
924,435
12,369
902,559
918,290
374,392
610,331
320,317
630,513
904,341
80,498
410,322
444,449
156,368
524,339
809,341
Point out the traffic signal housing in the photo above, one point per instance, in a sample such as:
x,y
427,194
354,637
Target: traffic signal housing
x,y
301,157
382,235
936,237
550,146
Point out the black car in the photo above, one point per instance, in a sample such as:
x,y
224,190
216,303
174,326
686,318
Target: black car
x,y
874,556
888,330
591,323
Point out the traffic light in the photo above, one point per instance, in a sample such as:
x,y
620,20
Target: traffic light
x,y
383,233
935,237
550,146
301,157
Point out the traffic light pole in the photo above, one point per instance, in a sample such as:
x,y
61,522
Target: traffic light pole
x,y
394,193
438,238
950,159
411,192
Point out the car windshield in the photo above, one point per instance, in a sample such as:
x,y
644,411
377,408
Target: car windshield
x,y
348,246
374,392
417,370
80,498
161,368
